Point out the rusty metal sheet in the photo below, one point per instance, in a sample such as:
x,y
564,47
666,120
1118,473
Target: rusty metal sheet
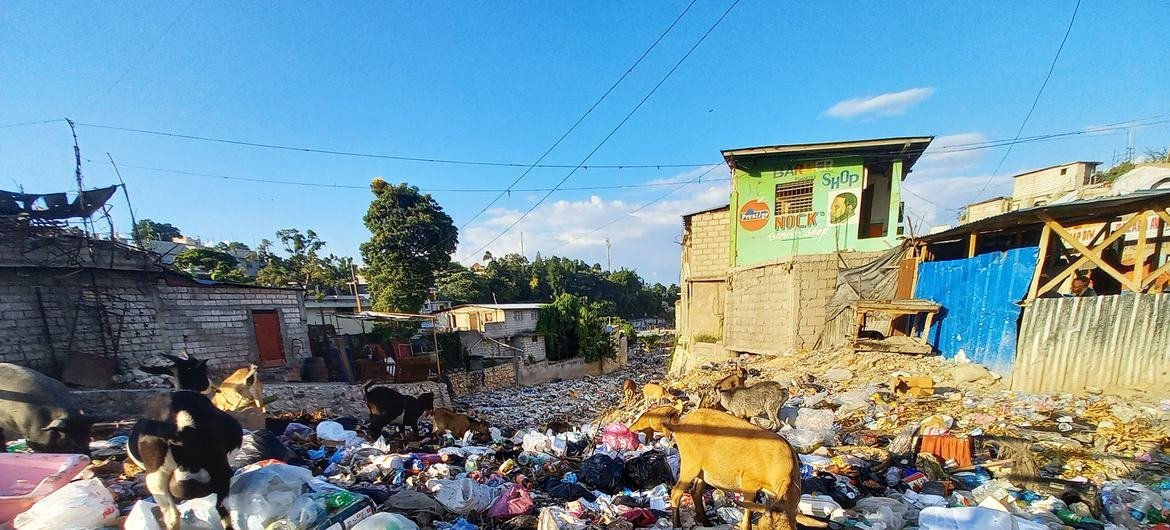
x,y
1109,342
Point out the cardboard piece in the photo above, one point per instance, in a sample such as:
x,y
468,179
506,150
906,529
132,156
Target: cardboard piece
x,y
916,386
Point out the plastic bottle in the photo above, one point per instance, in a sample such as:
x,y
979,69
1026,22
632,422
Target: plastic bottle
x,y
386,521
818,506
339,499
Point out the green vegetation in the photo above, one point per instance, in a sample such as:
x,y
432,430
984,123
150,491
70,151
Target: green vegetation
x,y
210,263
707,337
572,326
301,266
411,238
147,230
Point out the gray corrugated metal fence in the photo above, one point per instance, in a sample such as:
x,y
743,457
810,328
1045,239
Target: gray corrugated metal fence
x,y
1110,342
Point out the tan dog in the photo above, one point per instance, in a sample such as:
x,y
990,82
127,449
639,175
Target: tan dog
x,y
448,420
629,389
656,420
240,390
653,393
735,456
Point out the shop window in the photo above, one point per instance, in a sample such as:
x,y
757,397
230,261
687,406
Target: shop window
x,y
875,201
794,197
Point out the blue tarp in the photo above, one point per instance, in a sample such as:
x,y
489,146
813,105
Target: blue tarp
x,y
978,295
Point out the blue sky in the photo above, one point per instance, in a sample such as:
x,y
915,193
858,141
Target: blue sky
x,y
501,82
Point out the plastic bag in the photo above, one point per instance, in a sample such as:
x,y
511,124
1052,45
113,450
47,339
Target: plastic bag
x,y
535,442
462,496
261,445
259,497
82,504
602,473
514,501
386,521
619,437
194,514
938,518
557,518
648,470
334,432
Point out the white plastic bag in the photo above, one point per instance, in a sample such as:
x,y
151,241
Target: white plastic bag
x,y
535,442
85,504
194,514
557,518
334,432
386,521
462,496
939,518
261,496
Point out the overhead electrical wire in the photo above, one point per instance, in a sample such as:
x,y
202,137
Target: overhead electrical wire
x,y
614,130
1036,100
581,118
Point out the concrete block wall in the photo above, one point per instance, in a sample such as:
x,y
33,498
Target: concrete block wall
x,y
515,322
464,383
708,247
532,348
45,313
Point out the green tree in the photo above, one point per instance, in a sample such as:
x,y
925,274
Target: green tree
x,y
301,265
233,246
211,263
147,230
458,284
573,326
411,238
1115,171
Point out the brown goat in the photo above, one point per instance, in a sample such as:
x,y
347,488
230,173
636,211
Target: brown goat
x,y
653,393
735,456
448,420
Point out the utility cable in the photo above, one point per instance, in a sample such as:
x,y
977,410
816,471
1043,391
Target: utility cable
x,y
612,132
1035,100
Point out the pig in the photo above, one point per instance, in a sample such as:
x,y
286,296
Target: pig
x,y
761,398
41,410
448,420
240,390
730,454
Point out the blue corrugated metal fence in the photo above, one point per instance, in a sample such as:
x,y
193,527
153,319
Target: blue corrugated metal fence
x,y
978,296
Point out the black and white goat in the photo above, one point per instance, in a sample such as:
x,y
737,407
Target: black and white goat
x,y
184,447
186,373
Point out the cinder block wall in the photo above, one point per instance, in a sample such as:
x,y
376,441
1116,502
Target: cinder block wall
x,y
707,252
47,313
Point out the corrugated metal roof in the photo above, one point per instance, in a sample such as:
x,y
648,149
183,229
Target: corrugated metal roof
x,y
1110,342
531,305
1069,213
911,146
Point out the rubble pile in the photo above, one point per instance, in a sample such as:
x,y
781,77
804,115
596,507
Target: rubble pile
x,y
885,444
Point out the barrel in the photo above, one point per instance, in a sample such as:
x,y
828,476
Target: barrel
x,y
315,370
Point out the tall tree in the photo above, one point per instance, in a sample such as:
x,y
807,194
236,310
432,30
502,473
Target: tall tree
x,y
147,230
211,263
411,239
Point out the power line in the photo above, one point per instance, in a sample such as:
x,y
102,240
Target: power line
x,y
1036,100
616,128
581,118
372,155
643,207
138,59
366,187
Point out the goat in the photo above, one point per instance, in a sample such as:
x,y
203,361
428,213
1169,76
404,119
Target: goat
x,y
185,373
730,454
629,389
183,447
653,393
389,407
655,420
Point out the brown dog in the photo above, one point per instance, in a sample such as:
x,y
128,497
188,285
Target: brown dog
x,y
448,420
653,393
629,389
733,455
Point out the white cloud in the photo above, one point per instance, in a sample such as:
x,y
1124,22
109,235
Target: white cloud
x,y
889,104
944,180
644,240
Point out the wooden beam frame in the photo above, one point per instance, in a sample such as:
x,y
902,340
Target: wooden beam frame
x,y
1041,261
1086,252
971,244
1055,280
1139,252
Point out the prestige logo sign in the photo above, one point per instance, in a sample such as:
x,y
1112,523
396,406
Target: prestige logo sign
x,y
753,215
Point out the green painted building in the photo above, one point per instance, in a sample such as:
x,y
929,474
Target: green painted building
x,y
790,200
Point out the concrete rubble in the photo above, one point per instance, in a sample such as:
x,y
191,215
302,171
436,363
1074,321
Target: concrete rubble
x,y
885,442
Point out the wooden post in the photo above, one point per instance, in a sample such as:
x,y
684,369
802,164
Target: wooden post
x,y
1034,289
1139,253
971,245
1084,259
926,328
1092,255
435,338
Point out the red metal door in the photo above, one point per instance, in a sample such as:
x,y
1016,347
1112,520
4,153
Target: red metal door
x,y
267,325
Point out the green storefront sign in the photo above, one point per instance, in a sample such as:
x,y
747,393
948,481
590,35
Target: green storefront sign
x,y
788,206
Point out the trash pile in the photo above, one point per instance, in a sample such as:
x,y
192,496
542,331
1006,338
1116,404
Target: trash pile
x,y
909,451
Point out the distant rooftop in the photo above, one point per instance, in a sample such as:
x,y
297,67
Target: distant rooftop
x,y
1029,172
530,305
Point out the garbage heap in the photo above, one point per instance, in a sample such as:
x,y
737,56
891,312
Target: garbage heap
x,y
878,449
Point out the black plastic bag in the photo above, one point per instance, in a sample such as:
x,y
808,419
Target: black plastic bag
x,y
647,470
568,491
602,473
261,445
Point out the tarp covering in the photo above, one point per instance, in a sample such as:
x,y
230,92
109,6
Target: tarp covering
x,y
876,280
54,205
